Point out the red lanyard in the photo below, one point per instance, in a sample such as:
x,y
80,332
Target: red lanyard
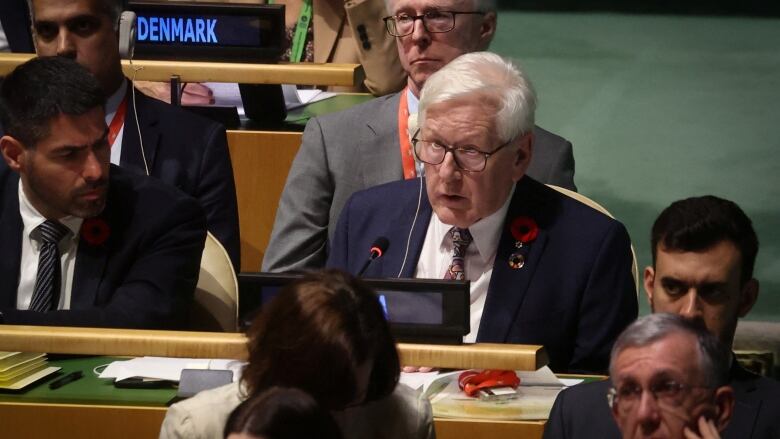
x,y
119,119
407,157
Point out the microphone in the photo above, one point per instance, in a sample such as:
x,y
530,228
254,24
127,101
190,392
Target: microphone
x,y
378,248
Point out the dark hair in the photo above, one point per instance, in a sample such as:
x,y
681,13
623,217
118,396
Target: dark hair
x,y
315,334
39,90
698,223
282,413
111,8
714,357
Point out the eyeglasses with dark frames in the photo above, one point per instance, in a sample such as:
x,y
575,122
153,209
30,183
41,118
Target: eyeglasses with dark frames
x,y
671,393
402,25
467,158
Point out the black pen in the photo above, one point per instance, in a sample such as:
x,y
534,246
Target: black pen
x,y
69,378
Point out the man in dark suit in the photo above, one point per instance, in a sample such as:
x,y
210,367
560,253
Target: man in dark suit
x,y
368,145
85,243
175,146
15,19
704,250
671,380
544,268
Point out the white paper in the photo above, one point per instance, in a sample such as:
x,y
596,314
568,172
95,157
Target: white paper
x,y
164,368
228,94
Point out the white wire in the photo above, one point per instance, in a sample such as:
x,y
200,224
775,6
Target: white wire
x,y
411,229
135,114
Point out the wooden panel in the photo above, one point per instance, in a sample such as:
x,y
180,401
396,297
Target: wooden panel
x,y
470,429
123,422
348,75
134,342
261,161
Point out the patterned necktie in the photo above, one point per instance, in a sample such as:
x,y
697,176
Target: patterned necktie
x,y
461,238
46,295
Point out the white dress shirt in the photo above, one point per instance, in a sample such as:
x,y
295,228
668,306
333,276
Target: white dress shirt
x,y
112,105
436,257
31,249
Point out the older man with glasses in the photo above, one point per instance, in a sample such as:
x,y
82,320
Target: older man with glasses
x,y
369,144
533,255
670,380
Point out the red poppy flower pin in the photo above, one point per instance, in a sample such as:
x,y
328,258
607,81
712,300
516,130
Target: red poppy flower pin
x,y
524,230
95,231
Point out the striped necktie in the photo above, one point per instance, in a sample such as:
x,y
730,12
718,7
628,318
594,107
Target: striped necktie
x,y
46,295
461,238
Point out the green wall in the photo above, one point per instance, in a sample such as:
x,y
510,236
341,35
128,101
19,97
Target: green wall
x,y
660,108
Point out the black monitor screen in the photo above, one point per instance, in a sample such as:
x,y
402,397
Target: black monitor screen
x,y
419,308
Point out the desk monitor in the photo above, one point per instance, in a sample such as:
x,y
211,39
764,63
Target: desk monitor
x,y
196,31
419,310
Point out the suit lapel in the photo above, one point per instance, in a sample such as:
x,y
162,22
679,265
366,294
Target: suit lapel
x,y
92,257
11,238
131,157
508,286
747,407
380,153
399,234
329,18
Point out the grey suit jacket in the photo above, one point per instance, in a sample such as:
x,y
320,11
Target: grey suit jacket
x,y
356,149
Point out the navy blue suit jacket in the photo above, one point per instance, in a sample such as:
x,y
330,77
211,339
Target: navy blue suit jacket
x,y
142,276
574,295
189,152
582,411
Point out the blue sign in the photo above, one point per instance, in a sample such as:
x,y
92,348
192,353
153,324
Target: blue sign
x,y
177,30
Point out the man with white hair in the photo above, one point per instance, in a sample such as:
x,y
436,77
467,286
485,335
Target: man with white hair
x,y
367,145
670,380
533,255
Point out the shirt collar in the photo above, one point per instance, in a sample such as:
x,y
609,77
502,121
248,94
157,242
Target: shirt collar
x,y
485,233
411,101
113,101
31,218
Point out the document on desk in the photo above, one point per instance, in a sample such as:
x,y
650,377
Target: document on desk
x,y
19,369
535,397
164,368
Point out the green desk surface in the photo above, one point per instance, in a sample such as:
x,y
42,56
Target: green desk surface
x,y
88,390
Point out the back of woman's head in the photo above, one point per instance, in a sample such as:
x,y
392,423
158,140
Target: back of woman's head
x,y
316,335
282,413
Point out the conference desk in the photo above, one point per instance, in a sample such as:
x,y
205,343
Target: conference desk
x,y
91,407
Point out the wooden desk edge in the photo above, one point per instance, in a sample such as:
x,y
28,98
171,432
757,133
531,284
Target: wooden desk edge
x,y
134,342
346,75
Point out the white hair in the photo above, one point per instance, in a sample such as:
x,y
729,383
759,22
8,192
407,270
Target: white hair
x,y
478,5
485,76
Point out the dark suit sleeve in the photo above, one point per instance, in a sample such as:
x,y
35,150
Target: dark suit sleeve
x,y
216,192
158,282
563,168
300,233
609,302
554,428
338,255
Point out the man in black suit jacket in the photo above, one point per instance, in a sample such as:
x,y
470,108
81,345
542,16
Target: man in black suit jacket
x,y
15,19
704,250
179,147
537,255
129,250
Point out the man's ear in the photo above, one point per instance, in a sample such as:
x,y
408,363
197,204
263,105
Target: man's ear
x,y
524,151
14,153
724,406
649,280
487,30
748,297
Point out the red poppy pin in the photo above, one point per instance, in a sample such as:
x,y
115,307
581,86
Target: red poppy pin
x,y
95,231
524,230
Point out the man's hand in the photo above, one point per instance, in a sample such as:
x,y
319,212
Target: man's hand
x,y
193,93
707,430
421,369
